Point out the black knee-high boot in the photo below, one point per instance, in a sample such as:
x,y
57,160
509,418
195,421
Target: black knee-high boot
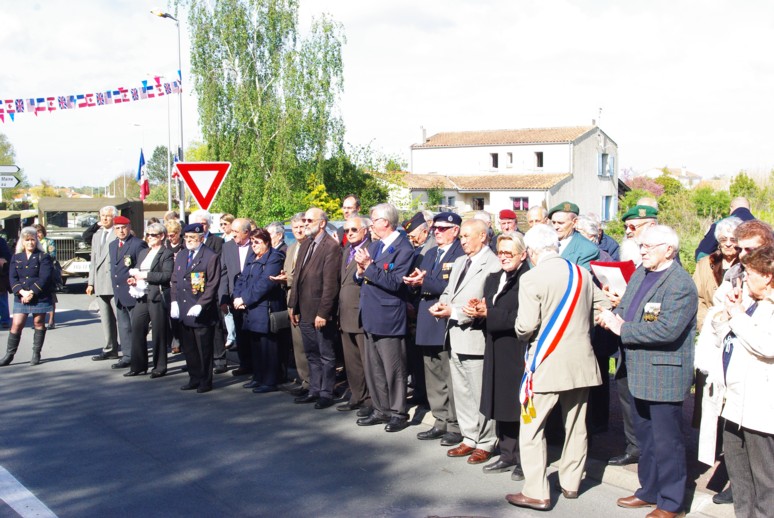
x,y
37,345
13,344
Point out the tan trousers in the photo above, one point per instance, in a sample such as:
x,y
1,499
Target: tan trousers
x,y
532,442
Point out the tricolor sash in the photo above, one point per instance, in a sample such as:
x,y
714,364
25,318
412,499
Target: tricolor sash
x,y
549,337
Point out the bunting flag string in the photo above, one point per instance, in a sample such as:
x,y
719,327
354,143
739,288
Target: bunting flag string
x,y
147,89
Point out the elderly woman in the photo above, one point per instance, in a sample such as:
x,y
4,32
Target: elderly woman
x,y
49,245
258,296
589,227
741,375
150,286
503,354
711,269
31,278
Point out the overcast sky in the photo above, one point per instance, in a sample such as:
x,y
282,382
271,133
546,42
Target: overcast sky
x,y
680,83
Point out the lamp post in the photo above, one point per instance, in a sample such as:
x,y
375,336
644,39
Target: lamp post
x,y
162,14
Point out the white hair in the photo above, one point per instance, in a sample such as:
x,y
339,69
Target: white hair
x,y
28,232
588,225
662,234
483,216
541,238
108,208
726,226
275,228
199,215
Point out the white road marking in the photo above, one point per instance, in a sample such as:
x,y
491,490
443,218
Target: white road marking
x,y
18,498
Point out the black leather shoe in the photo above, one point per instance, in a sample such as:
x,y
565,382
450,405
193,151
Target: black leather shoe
x,y
371,420
323,402
518,473
365,411
309,398
396,424
120,365
624,460
220,370
133,373
498,466
347,407
202,390
104,356
157,374
188,386
724,497
451,439
239,371
251,384
431,434
264,389
299,392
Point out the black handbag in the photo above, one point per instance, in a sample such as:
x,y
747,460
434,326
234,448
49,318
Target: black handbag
x,y
278,321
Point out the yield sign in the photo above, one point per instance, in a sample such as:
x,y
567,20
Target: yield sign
x,y
203,179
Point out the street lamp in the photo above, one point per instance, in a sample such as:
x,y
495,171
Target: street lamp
x,y
162,14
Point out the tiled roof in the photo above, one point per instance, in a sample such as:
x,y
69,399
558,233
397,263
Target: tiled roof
x,y
478,183
502,137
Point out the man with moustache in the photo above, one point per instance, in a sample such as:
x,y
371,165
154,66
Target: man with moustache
x,y
352,334
123,257
194,290
313,306
572,246
99,282
431,279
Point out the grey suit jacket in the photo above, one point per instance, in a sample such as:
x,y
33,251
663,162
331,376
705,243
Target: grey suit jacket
x,y
99,268
463,336
659,354
572,364
349,294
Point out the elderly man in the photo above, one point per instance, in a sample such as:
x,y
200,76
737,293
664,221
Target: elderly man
x,y
194,293
277,233
232,261
572,246
467,342
556,301
638,219
352,334
124,251
383,296
537,215
432,278
99,282
313,306
656,321
509,221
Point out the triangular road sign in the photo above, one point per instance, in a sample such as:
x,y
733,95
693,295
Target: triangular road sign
x,y
203,179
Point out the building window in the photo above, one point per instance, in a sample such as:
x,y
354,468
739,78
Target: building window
x,y
608,208
520,203
539,159
495,160
477,204
451,200
509,162
603,164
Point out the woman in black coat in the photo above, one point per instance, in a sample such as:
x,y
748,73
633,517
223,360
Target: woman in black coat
x,y
504,354
150,285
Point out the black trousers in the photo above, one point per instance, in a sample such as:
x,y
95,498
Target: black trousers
x,y
143,313
263,349
196,344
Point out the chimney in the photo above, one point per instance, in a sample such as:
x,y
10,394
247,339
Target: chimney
x,y
424,134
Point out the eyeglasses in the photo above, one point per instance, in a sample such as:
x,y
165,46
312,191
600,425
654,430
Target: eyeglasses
x,y
351,229
307,220
224,223
727,240
648,248
632,227
505,253
441,229
153,235
747,249
192,237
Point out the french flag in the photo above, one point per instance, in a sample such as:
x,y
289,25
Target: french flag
x,y
142,177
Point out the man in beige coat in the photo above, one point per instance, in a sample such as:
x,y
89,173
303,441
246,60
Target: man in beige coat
x,y
557,300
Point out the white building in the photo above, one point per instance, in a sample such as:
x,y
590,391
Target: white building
x,y
518,169
688,179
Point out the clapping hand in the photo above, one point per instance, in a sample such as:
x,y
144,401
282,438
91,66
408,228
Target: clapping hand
x,y
415,278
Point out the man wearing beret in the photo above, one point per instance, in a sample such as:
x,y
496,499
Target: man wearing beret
x,y
195,282
572,246
637,219
431,279
509,222
123,257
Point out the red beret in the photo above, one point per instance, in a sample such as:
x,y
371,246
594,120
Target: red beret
x,y
121,220
507,214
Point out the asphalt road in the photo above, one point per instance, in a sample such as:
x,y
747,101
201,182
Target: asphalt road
x,y
88,442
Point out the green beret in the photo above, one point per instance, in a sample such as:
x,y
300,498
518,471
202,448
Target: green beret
x,y
565,206
640,212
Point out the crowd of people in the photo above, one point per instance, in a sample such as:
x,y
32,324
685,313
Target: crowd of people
x,y
505,337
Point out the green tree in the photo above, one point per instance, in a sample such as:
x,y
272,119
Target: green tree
x,y
318,197
709,203
156,166
743,185
434,196
44,190
670,184
8,157
342,177
267,99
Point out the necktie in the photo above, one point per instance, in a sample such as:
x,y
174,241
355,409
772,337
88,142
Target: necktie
x,y
437,259
728,341
104,237
462,275
120,244
190,257
379,250
308,254
351,255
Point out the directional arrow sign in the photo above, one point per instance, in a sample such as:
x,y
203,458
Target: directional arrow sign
x,y
8,181
9,169
203,179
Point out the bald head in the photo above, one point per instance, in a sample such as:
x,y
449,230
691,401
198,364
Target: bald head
x,y
740,202
473,235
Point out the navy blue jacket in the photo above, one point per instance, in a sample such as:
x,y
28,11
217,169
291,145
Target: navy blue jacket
x,y
709,244
121,261
206,265
383,295
430,330
260,294
33,274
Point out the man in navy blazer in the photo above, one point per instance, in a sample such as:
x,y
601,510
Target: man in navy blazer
x,y
124,251
572,246
431,278
383,298
195,282
656,320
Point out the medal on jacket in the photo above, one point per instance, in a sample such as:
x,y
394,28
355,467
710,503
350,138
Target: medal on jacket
x,y
127,261
197,282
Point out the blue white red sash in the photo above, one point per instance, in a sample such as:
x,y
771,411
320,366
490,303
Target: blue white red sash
x,y
549,337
